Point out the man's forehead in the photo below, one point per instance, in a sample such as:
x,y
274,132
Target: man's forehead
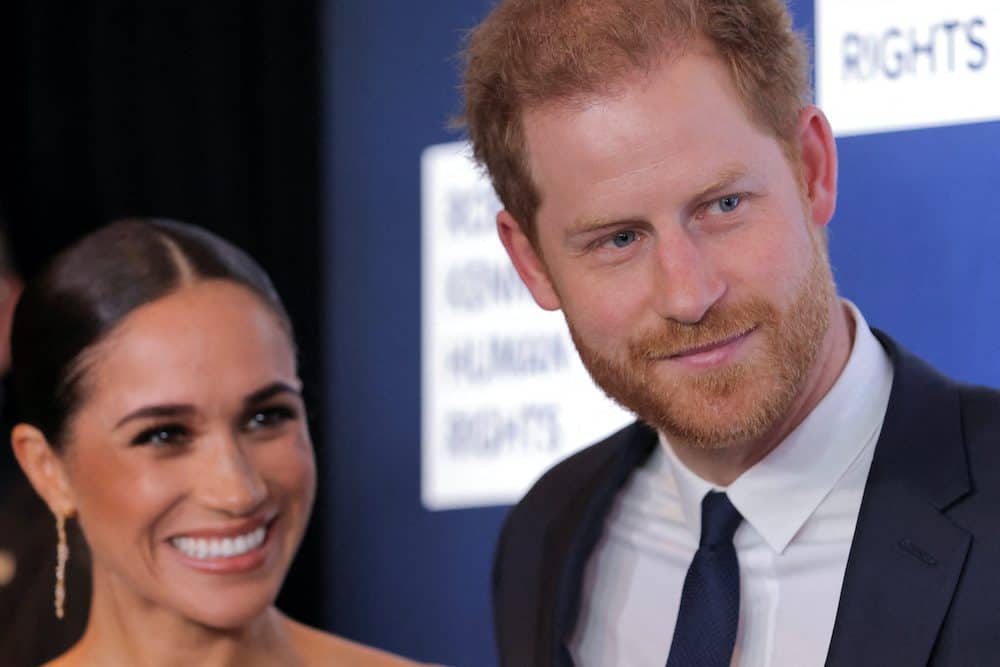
x,y
656,113
672,76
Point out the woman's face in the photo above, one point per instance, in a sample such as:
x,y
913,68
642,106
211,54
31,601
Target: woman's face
x,y
189,461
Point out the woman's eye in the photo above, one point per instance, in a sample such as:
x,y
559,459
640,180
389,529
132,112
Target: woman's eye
x,y
162,435
729,203
624,238
269,417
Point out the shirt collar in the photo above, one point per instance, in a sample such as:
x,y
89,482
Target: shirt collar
x,y
779,494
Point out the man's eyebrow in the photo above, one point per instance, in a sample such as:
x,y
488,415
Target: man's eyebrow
x,y
722,181
718,185
586,225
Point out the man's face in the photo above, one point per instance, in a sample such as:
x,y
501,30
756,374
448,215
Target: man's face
x,y
680,244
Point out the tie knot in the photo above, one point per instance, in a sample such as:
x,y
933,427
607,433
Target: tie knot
x,y
719,519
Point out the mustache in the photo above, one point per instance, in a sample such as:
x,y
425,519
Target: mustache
x,y
721,323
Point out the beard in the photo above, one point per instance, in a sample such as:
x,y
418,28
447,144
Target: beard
x,y
735,403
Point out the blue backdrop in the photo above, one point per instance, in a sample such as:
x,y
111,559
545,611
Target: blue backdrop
x,y
913,244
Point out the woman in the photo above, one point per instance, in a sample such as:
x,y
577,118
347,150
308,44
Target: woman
x,y
155,370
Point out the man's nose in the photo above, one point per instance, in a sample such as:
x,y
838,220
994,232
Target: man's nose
x,y
689,283
229,480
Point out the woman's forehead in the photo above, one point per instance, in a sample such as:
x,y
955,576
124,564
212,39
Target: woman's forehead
x,y
212,336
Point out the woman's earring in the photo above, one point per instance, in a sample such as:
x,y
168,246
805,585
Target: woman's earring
x,y
62,555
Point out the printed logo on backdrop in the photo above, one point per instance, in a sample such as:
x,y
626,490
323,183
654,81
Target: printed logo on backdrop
x,y
504,393
884,65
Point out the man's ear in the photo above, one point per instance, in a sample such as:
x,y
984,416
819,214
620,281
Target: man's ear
x,y
818,164
45,469
526,260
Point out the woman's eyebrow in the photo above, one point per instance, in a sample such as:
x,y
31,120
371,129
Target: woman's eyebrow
x,y
270,391
168,410
183,409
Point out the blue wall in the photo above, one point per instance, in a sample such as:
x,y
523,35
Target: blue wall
x,y
402,578
913,243
916,238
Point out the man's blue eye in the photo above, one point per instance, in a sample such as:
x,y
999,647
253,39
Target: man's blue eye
x,y
729,203
622,239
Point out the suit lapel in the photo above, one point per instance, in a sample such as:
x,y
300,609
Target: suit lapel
x,y
902,573
907,556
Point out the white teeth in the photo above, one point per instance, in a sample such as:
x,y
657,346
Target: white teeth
x,y
228,547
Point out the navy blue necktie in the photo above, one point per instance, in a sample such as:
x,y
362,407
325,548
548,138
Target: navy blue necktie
x,y
710,601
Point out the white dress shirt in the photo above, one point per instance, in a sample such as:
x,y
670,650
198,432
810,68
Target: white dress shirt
x,y
800,506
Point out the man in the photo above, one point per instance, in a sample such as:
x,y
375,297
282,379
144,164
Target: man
x,y
799,489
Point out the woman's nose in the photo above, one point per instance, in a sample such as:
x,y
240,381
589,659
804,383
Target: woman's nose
x,y
229,481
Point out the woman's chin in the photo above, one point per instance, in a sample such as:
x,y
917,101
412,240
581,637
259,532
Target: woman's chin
x,y
229,613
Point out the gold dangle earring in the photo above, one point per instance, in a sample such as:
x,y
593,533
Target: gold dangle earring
x,y
62,555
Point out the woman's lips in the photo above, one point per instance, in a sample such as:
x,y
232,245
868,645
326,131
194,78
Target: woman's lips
x,y
231,529
225,551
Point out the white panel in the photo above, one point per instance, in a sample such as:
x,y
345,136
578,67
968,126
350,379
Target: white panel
x,y
884,65
504,393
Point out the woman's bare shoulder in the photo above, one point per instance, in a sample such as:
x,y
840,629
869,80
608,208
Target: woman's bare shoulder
x,y
320,648
70,658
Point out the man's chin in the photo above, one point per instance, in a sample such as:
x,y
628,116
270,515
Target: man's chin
x,y
728,416
708,409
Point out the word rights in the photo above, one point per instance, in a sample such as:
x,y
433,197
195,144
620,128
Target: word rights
x,y
885,65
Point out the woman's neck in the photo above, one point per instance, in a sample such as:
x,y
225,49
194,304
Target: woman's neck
x,y
126,630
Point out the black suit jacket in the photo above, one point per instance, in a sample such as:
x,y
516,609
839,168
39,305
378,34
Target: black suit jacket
x,y
922,585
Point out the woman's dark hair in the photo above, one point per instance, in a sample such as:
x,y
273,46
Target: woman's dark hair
x,y
88,288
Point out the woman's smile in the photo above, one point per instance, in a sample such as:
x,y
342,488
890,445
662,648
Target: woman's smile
x,y
229,550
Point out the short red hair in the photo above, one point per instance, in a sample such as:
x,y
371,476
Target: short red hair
x,y
528,53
